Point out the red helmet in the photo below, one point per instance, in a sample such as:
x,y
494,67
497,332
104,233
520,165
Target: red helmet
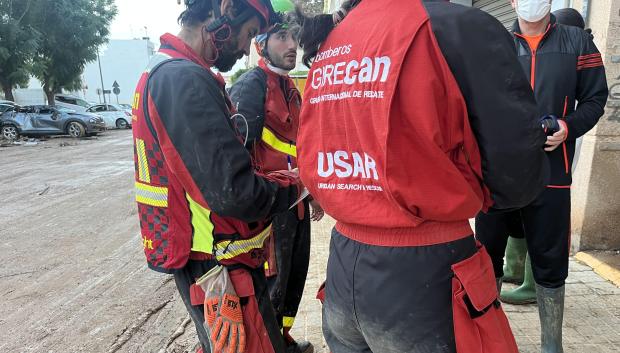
x,y
261,7
264,8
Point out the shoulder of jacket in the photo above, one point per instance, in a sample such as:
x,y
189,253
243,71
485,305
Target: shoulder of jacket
x,y
254,74
442,10
574,37
183,72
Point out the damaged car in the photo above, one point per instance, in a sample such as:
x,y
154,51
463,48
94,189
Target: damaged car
x,y
38,120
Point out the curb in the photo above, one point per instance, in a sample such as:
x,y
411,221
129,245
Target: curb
x,y
601,268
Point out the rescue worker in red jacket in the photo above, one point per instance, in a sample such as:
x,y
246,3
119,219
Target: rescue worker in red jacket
x,y
563,66
416,116
200,201
269,103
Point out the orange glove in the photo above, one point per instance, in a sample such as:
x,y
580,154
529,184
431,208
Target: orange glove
x,y
223,316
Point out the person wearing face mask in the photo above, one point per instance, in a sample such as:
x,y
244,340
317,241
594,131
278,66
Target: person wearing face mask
x,y
564,68
517,266
201,203
268,101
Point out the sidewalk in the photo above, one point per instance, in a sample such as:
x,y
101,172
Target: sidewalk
x,y
591,318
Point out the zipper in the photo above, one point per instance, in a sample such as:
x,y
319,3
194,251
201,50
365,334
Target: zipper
x,y
533,64
564,143
533,69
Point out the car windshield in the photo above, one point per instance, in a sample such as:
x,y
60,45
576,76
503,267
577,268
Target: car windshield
x,y
74,101
82,103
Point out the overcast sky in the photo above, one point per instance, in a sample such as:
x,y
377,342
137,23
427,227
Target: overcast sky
x,y
159,17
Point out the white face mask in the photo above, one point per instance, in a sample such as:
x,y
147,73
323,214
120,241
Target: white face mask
x,y
533,10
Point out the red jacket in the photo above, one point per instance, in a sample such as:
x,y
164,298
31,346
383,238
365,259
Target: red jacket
x,y
411,127
270,104
197,191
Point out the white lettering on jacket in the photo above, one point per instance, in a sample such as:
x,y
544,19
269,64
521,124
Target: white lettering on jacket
x,y
344,166
348,72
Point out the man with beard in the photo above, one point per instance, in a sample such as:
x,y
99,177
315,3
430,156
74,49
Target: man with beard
x,y
200,201
269,102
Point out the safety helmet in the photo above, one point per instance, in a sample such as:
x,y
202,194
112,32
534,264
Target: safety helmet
x,y
261,7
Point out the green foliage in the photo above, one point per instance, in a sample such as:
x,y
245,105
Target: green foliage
x,y
72,31
312,7
18,44
234,77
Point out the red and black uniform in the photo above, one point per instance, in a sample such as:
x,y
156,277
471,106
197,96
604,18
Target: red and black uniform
x,y
270,104
563,67
416,115
200,201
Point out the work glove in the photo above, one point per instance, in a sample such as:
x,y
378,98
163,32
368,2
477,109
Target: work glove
x,y
223,316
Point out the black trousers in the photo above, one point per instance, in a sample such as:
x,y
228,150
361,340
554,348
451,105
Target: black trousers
x,y
546,225
391,299
292,244
187,276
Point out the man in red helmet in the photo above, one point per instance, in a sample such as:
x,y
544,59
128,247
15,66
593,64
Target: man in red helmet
x,y
200,201
270,103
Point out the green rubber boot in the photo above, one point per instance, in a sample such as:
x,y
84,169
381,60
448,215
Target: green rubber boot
x,y
526,293
514,263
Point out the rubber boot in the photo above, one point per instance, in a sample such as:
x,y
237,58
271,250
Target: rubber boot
x,y
293,346
524,294
514,260
551,312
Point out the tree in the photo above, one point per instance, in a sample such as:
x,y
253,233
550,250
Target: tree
x,y
234,77
18,44
312,7
72,31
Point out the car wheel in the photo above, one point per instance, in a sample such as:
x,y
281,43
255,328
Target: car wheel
x,y
75,129
9,132
121,123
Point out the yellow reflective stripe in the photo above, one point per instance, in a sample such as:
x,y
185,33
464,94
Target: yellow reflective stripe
x,y
267,265
228,249
203,227
272,140
136,101
156,196
287,321
143,164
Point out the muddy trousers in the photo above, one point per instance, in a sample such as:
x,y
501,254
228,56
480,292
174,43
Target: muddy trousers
x,y
188,275
292,251
391,299
546,225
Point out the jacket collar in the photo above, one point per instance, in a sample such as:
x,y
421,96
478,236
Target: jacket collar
x,y
272,70
516,29
175,47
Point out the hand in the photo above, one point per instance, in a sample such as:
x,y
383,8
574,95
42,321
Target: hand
x,y
317,212
556,139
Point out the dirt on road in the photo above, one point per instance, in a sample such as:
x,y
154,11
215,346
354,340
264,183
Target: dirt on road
x,y
73,277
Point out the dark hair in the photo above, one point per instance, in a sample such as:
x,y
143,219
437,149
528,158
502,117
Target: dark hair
x,y
315,29
198,11
569,17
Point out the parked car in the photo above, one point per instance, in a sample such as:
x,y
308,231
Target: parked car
x,y
126,107
39,120
114,115
6,106
71,102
